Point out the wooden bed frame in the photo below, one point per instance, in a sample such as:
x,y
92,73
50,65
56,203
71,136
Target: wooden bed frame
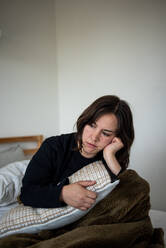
x,y
38,139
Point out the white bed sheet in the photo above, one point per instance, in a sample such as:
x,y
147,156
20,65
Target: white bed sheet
x,y
158,219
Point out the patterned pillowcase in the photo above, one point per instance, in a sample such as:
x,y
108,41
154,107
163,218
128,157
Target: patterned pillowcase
x,y
24,219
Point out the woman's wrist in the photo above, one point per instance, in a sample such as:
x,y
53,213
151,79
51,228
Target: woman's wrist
x,y
113,164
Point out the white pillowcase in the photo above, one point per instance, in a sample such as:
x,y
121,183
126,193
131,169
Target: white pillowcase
x,y
11,154
11,181
24,219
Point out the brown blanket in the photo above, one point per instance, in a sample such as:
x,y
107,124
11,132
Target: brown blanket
x,y
120,220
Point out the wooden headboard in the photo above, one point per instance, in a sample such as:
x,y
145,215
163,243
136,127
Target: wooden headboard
x,y
38,139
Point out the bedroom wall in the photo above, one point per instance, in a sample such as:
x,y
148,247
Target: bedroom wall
x,y
28,85
54,62
117,47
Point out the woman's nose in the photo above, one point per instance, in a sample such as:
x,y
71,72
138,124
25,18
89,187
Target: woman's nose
x,y
95,136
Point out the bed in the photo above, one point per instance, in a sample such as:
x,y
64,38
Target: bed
x,y
37,139
16,151
83,227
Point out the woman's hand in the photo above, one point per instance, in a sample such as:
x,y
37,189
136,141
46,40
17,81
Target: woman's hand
x,y
76,195
109,154
113,147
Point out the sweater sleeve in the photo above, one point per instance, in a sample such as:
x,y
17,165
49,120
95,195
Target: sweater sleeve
x,y
39,187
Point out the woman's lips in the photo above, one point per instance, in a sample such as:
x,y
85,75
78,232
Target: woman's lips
x,y
91,145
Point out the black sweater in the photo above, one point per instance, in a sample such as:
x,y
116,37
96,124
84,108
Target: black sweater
x,y
49,169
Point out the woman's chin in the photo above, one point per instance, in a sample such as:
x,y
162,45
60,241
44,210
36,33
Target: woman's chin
x,y
88,153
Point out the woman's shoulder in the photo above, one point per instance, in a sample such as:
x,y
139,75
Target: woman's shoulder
x,y
60,141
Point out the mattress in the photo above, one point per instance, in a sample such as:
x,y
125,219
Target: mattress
x,y
158,219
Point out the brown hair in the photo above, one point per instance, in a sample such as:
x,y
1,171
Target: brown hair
x,y
120,108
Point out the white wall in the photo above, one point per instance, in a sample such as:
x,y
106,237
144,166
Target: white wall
x,y
28,84
54,62
117,47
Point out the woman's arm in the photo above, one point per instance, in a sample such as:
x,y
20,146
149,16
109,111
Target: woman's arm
x,y
109,155
39,187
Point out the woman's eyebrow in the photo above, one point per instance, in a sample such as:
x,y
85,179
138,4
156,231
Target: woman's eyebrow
x,y
106,130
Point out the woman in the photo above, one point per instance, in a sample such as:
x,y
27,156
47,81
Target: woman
x,y
104,132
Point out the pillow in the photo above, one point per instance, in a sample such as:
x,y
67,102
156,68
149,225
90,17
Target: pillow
x,y
11,181
10,155
24,219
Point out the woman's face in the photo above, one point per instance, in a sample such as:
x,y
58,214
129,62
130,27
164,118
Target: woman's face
x,y
98,135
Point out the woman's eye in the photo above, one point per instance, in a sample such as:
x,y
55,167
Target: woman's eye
x,y
106,134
